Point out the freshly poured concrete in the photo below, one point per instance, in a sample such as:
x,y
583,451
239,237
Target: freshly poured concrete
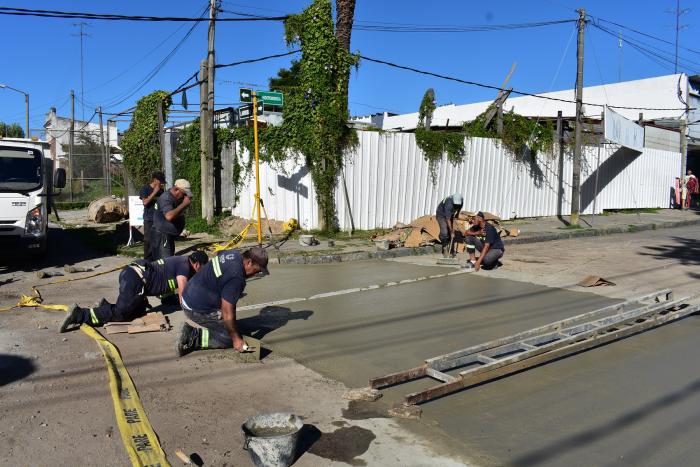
x,y
589,409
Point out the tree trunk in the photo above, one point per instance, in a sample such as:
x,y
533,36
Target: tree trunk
x,y
345,13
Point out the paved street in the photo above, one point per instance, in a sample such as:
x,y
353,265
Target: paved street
x,y
631,402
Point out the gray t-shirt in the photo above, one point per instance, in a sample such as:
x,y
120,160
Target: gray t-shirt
x,y
166,203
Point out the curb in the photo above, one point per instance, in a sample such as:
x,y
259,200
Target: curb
x,y
426,250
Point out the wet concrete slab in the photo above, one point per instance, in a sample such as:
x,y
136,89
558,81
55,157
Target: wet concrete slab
x,y
634,400
294,280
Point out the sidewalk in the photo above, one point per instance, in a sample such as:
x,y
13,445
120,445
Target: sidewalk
x,y
532,230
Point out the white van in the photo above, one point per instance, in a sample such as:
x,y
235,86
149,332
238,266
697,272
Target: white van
x,y
27,180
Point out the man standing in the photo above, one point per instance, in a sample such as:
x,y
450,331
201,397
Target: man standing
x,y
491,247
137,281
169,217
149,195
210,300
446,212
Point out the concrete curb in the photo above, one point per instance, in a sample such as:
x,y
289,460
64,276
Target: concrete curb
x,y
425,250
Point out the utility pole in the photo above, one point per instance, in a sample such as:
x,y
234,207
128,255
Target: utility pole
x,y
70,143
576,176
82,34
102,148
204,136
109,164
679,12
210,114
161,134
684,162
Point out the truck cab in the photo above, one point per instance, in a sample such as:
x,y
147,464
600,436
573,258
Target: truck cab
x,y
27,180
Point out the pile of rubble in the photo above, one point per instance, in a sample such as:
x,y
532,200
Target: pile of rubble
x,y
426,231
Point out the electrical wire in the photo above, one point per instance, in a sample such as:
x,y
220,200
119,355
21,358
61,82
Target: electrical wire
x,y
116,17
373,26
497,88
642,33
242,62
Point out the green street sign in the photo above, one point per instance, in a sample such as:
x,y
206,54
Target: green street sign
x,y
271,98
246,95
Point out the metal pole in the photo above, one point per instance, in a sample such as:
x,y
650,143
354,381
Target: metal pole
x,y
576,176
560,149
257,164
684,162
597,169
204,137
70,143
26,113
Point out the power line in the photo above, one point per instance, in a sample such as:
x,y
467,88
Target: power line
x,y
225,65
417,28
115,17
497,88
642,33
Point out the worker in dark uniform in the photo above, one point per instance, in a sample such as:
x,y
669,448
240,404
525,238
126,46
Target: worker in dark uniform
x,y
149,195
169,217
446,212
484,238
209,300
137,281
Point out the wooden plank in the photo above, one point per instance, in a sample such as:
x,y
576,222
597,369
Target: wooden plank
x,y
399,377
440,361
595,341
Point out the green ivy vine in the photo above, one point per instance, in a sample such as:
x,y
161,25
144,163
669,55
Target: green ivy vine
x,y
140,145
315,105
435,143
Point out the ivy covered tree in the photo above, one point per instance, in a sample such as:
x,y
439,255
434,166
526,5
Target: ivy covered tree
x,y
141,146
12,130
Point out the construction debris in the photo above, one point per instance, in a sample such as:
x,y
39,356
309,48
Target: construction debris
x,y
152,322
45,274
594,281
73,269
107,209
362,394
425,230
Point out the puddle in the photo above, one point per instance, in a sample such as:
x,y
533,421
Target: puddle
x,y
344,445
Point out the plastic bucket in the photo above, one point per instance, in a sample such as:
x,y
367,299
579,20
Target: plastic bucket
x,y
271,439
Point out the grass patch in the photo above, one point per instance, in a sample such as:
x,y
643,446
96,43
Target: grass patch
x,y
631,211
196,224
342,235
571,227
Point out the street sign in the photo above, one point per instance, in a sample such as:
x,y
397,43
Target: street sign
x,y
271,98
245,112
246,95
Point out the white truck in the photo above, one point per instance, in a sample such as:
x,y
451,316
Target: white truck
x,y
27,180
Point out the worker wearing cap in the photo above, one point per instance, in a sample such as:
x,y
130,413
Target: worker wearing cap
x,y
149,195
446,212
491,247
139,280
169,217
210,298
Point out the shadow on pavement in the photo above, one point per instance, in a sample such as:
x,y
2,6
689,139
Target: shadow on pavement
x,y
586,438
13,368
269,319
685,250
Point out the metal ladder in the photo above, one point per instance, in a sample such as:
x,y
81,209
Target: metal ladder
x,y
524,350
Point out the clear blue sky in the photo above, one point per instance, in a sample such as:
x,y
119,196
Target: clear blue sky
x,y
42,55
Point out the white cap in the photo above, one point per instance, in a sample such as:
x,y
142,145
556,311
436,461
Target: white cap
x,y
184,185
457,199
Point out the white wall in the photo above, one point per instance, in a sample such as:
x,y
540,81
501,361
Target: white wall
x,y
388,181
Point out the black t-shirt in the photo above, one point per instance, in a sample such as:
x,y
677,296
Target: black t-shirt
x,y
148,209
161,275
446,208
166,203
493,238
222,277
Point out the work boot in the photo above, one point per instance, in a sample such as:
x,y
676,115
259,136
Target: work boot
x,y
188,340
468,265
74,317
103,301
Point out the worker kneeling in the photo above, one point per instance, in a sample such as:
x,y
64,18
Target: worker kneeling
x,y
484,238
209,300
137,281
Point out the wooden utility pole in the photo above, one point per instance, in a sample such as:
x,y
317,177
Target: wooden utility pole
x,y
210,114
108,155
104,154
204,135
576,176
70,143
161,134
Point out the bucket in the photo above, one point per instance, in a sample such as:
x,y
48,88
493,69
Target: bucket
x,y
271,439
307,240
